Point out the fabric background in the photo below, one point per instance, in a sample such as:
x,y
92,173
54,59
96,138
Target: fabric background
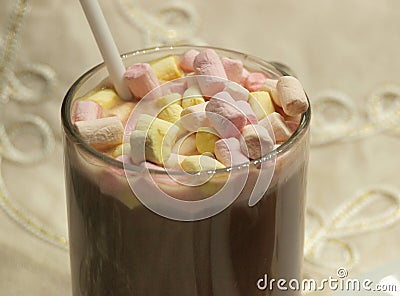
x,y
350,46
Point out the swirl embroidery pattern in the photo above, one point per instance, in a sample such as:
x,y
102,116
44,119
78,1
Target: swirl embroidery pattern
x,y
12,87
176,23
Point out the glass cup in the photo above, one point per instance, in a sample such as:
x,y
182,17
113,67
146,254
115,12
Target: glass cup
x,y
119,246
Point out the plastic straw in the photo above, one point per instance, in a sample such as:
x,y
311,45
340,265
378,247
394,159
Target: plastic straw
x,y
107,46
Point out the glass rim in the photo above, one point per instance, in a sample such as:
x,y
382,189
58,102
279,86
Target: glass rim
x,y
71,132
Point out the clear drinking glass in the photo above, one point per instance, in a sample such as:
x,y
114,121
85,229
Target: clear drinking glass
x,y
118,246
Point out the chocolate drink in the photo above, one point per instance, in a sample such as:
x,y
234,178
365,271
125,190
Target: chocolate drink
x,y
118,246
120,251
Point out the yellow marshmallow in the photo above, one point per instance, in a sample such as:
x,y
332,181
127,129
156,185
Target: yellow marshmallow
x,y
161,136
122,111
166,69
145,121
261,103
205,139
174,162
171,113
197,163
106,98
169,99
192,96
124,148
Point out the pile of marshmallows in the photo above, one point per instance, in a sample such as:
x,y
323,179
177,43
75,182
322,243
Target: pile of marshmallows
x,y
220,119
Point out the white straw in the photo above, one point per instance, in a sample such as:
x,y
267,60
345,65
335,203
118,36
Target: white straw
x,y
107,46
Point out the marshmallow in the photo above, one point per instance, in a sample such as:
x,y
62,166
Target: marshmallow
x,y
141,79
237,92
245,74
137,143
122,111
292,95
192,96
125,159
186,146
194,117
224,96
292,125
247,111
121,149
166,69
197,163
169,99
187,60
261,103
205,140
227,120
255,81
295,118
151,166
229,153
106,98
191,80
161,136
114,184
281,131
171,113
270,86
208,63
175,87
101,133
256,141
86,110
174,162
146,122
233,69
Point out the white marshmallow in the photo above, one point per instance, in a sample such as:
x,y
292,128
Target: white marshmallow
x,y
194,117
101,133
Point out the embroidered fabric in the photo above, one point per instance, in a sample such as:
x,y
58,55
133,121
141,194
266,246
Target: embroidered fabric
x,y
334,120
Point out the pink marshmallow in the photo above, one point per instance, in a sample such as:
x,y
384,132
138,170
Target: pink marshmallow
x,y
281,130
186,63
111,180
245,74
292,125
226,119
86,110
255,81
209,64
247,111
174,87
229,153
151,166
270,86
292,96
233,69
141,79
256,141
224,96
238,92
125,159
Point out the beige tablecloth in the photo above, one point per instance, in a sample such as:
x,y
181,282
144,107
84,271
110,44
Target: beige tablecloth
x,y
349,47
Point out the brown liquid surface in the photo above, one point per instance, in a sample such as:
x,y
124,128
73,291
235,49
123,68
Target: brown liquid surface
x,y
120,251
